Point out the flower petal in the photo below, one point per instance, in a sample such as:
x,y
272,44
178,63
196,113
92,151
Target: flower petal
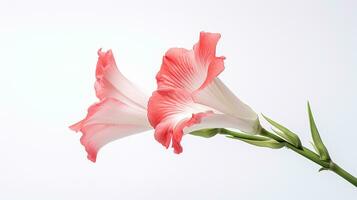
x,y
191,69
216,121
121,111
216,95
191,97
169,112
174,112
107,121
111,83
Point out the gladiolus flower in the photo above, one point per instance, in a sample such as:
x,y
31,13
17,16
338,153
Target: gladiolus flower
x,y
191,97
122,110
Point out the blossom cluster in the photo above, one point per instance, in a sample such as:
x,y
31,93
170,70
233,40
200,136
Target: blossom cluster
x,y
189,97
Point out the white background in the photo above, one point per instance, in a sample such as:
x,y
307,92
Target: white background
x,y
279,55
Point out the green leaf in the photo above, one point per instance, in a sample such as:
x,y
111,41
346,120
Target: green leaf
x,y
285,133
269,143
206,133
321,149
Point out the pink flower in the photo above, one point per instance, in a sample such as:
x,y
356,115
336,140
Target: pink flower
x,y
122,110
191,97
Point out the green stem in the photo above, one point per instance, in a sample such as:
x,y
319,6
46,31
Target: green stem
x,y
343,173
305,152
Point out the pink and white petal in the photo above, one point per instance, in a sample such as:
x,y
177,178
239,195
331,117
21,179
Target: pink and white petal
x,y
214,69
172,105
179,70
191,69
216,95
107,121
170,112
205,49
96,136
218,121
205,52
163,132
178,132
171,129
110,83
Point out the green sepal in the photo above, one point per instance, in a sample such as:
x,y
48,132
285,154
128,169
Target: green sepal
x,y
313,145
323,169
269,143
285,133
243,135
256,140
320,147
206,133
